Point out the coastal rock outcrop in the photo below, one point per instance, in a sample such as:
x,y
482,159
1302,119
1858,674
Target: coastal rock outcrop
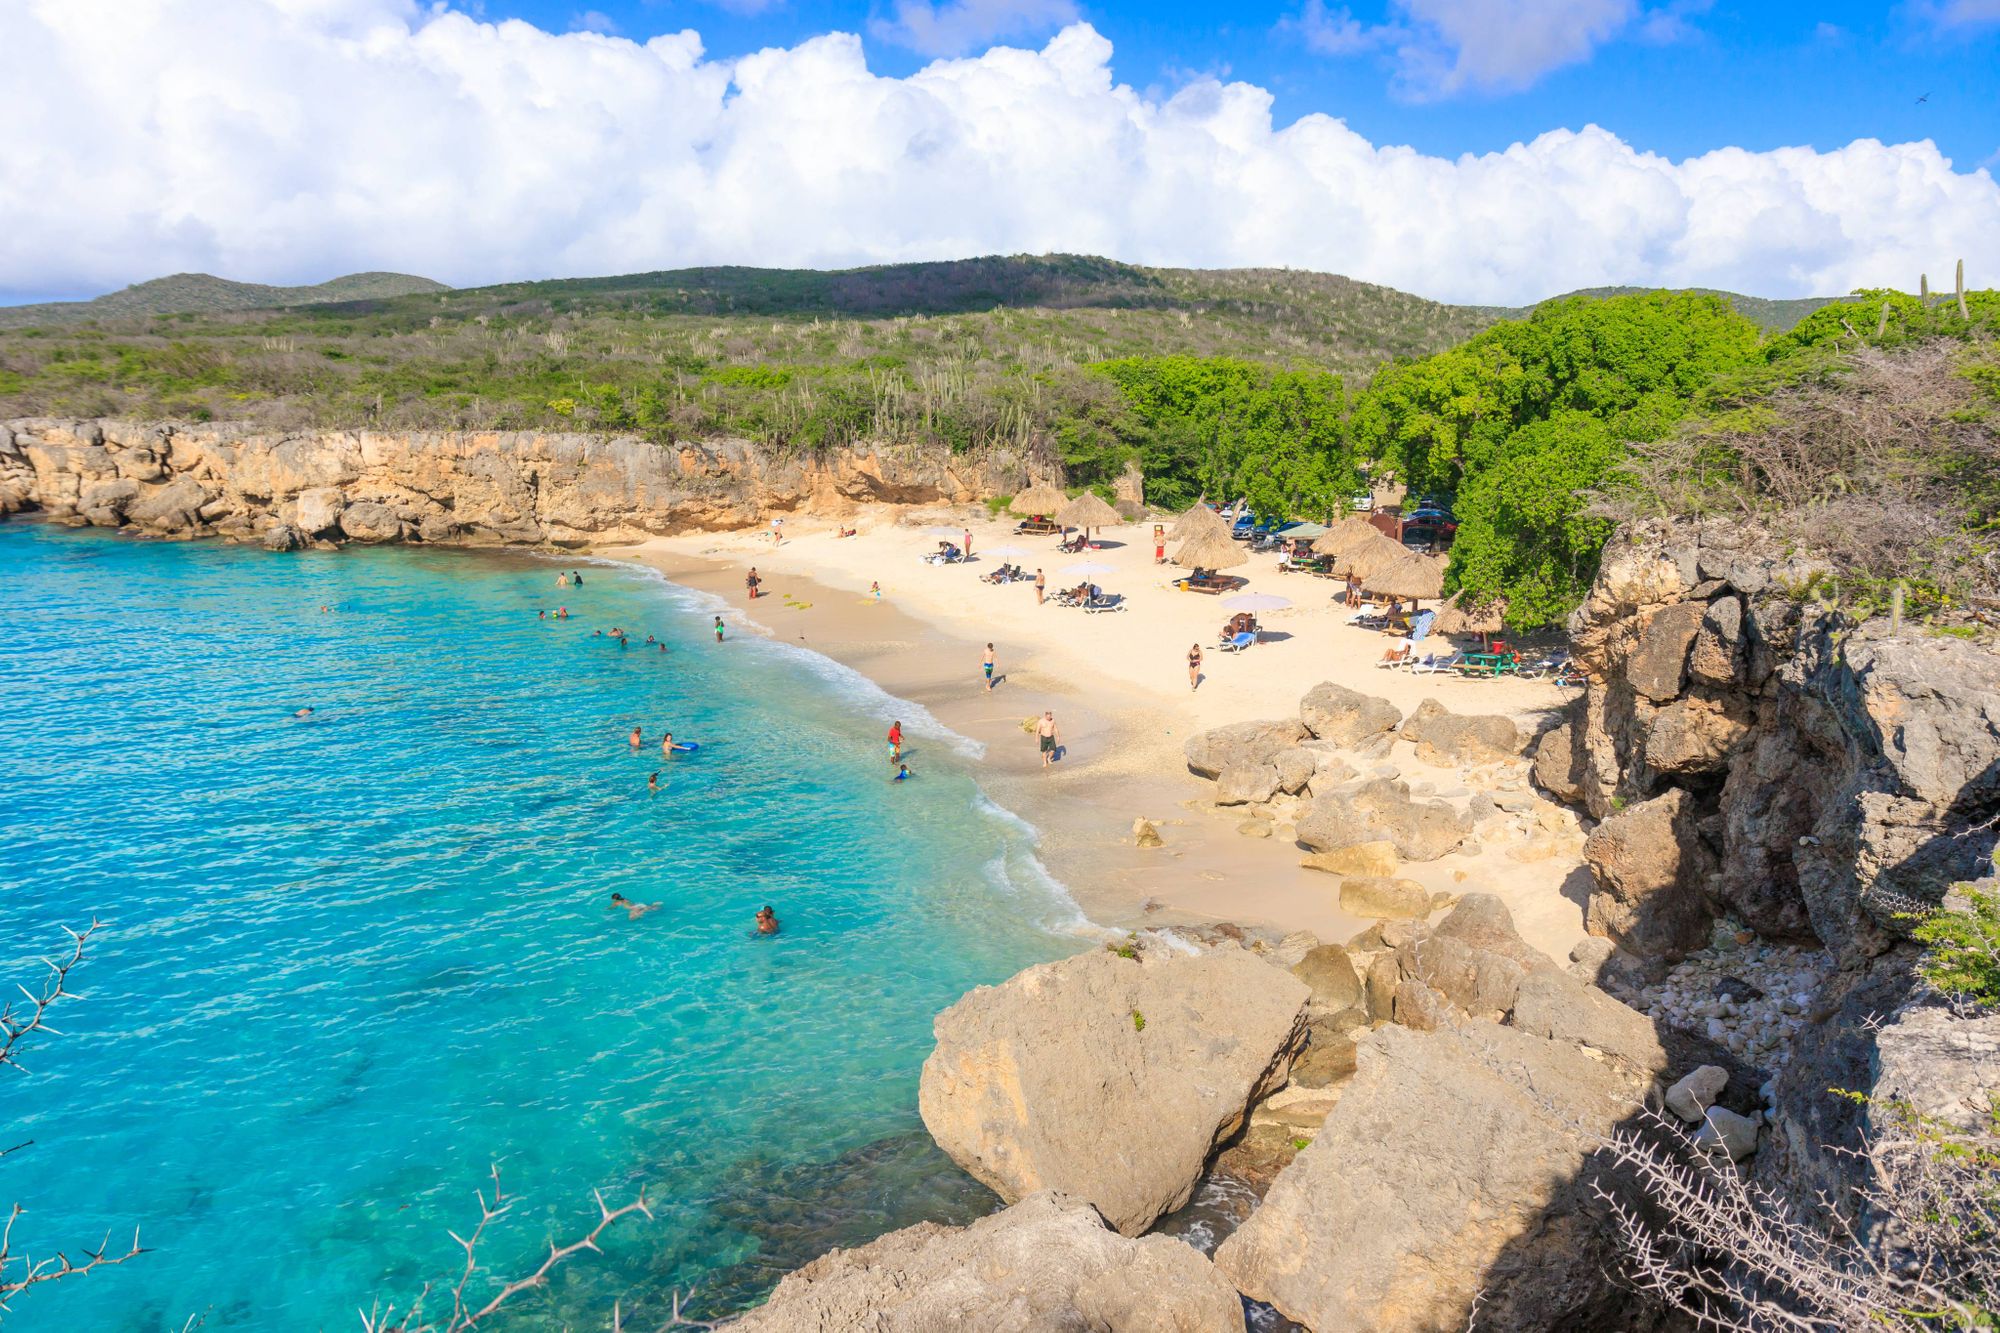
x,y
1826,777
1250,745
1110,1078
1383,810
1047,1263
1650,864
1455,1166
1346,717
1451,739
477,487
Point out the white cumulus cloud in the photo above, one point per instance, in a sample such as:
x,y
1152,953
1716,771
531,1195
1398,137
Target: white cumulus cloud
x,y
288,140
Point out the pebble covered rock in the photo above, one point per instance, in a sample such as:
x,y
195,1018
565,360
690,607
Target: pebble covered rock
x,y
1749,996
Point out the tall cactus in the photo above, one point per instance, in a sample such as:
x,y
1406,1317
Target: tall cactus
x,y
1924,289
1882,324
1963,313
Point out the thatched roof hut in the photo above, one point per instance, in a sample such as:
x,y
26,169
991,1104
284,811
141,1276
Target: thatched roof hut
x,y
1365,558
1040,498
1088,511
1418,577
1345,535
1455,617
1211,550
1196,521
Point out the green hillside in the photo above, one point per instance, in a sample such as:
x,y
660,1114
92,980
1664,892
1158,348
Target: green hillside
x,y
1771,314
202,292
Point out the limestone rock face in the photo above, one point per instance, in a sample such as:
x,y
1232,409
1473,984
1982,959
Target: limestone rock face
x,y
1241,744
1375,897
1295,768
1659,668
475,487
1555,770
1246,784
1109,1078
1383,810
1346,717
1329,973
1045,1265
1445,1172
1446,738
1647,861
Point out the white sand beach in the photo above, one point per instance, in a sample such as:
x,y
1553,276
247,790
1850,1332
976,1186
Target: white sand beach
x,y
1118,685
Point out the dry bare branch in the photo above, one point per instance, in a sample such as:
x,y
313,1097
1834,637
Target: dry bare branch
x,y
466,1311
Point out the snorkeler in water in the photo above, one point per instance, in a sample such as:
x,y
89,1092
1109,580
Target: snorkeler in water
x,y
633,911
653,782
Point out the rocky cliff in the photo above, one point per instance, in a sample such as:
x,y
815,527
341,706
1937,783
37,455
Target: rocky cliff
x,y
1752,752
293,488
1775,775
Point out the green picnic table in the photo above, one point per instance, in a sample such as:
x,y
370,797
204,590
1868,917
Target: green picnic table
x,y
1489,664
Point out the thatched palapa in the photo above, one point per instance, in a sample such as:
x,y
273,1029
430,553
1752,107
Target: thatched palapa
x,y
1040,498
1455,617
1344,536
1370,557
1195,522
1210,550
1088,511
1414,576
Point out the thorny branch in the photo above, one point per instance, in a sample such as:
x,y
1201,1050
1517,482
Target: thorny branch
x,y
465,1313
17,1021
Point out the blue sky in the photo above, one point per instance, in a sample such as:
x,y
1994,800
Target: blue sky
x,y
1491,151
1749,75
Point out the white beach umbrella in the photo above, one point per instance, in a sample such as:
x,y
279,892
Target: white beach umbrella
x,y
1256,601
1088,567
1006,550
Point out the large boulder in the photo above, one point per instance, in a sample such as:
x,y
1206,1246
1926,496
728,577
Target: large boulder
x,y
367,521
1241,743
1246,784
1650,865
1045,1265
1658,668
1557,764
1382,810
1446,738
318,510
1558,1006
1109,1078
1381,897
1362,858
1346,717
1329,972
1454,1169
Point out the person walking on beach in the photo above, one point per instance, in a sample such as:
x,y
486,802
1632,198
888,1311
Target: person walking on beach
x,y
987,663
876,589
1041,586
1049,737
1159,543
895,742
1194,667
968,543
718,629
751,581
777,530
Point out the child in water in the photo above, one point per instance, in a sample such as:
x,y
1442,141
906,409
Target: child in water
x,y
767,921
903,773
718,629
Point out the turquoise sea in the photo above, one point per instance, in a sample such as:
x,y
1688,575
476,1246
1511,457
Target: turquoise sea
x,y
351,960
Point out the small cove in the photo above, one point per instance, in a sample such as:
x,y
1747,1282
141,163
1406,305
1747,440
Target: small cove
x,y
352,959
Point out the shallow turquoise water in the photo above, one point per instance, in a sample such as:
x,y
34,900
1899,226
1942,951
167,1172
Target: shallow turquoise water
x,y
350,960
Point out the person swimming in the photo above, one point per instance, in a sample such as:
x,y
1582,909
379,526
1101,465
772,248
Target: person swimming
x,y
903,774
767,921
667,744
633,911
637,739
653,782
303,712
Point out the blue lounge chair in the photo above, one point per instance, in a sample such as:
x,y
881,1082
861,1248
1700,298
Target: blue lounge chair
x,y
1238,643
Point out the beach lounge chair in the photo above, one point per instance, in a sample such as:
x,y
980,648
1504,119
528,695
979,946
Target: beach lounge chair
x,y
1432,663
1105,601
1243,622
1237,643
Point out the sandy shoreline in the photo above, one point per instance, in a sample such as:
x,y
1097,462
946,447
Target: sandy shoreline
x,y
1118,686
